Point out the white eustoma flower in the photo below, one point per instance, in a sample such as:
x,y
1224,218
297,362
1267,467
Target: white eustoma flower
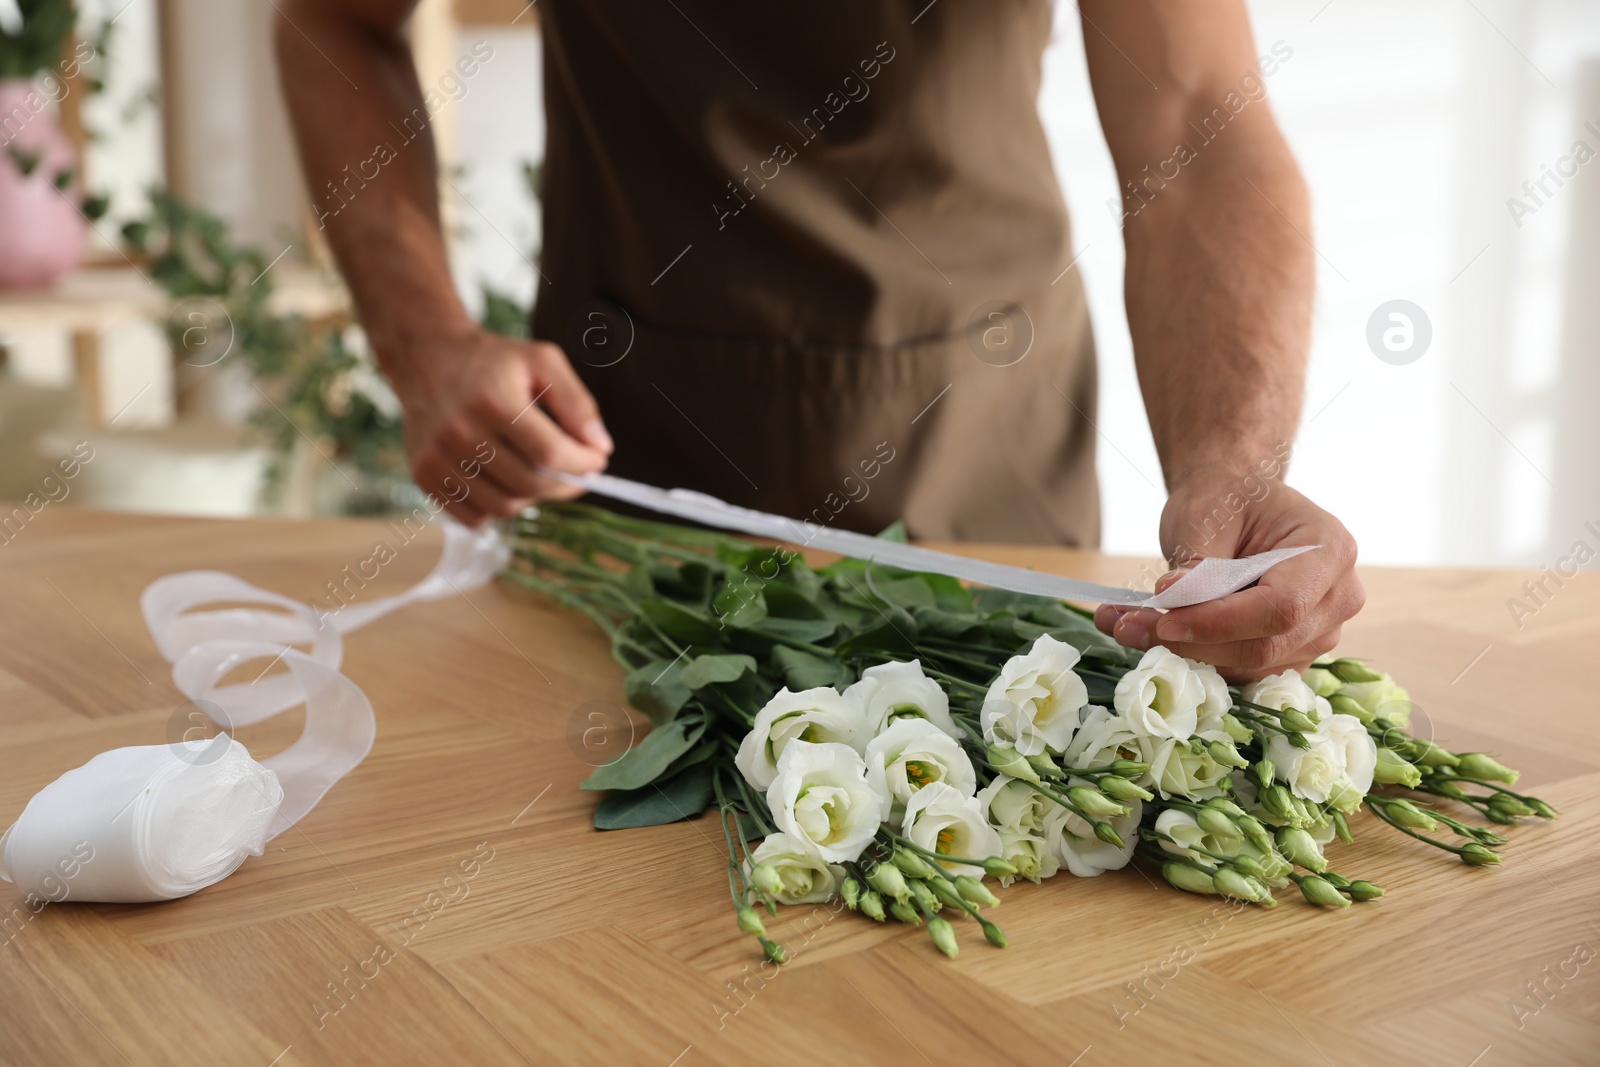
x,y
914,753
945,821
1309,772
1287,690
806,878
818,715
1177,770
1186,836
1161,697
1356,748
822,800
1033,705
893,691
1101,738
1084,854
1012,804
1382,697
1033,856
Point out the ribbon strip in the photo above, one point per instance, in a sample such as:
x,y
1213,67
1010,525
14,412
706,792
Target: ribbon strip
x,y
1209,580
155,822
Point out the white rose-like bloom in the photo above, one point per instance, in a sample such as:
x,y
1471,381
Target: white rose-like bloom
x,y
943,820
1186,835
1287,690
1177,770
1310,772
1018,812
1033,857
893,691
821,799
1102,738
1382,697
1356,748
806,878
914,753
816,715
1161,697
1084,854
1033,705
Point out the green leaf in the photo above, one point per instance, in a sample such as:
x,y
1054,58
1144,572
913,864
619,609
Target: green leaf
x,y
804,670
678,622
740,603
895,531
884,640
682,796
657,689
910,592
809,631
789,602
646,761
956,626
707,670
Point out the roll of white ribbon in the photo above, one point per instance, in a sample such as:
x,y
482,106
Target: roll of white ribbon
x,y
155,822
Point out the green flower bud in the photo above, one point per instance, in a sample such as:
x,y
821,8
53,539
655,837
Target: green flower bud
x,y
1189,879
912,864
903,911
1107,833
1255,833
1009,761
1216,823
1046,766
1223,804
1225,754
1510,805
1322,893
975,891
1364,890
1409,815
1343,705
1353,670
1264,770
1495,815
1278,802
943,935
1338,881
995,867
1123,789
887,879
750,922
1323,683
851,892
872,906
1127,768
1092,802
1295,719
1233,884
1301,848
1237,730
945,891
1541,809
1484,766
1475,855
1434,755
774,951
996,936
922,895
1448,789
765,878
1341,827
1345,798
1395,769
1248,865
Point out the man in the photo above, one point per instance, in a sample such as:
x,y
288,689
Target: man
x,y
815,260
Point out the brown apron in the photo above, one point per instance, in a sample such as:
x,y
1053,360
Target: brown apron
x,y
811,258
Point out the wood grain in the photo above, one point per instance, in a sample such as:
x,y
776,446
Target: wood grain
x,y
571,946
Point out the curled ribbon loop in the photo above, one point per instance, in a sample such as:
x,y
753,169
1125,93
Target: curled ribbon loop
x,y
155,822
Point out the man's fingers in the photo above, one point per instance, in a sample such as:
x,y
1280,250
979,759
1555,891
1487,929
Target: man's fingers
x,y
563,393
536,439
1283,602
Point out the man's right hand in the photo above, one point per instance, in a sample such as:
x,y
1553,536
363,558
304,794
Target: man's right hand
x,y
482,411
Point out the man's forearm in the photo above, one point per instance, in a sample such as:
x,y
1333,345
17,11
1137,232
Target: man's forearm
x,y
1218,287
367,153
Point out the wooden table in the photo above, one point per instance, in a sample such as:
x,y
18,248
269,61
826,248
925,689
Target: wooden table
x,y
571,946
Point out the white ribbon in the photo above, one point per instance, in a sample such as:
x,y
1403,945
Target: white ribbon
x,y
155,822
1209,580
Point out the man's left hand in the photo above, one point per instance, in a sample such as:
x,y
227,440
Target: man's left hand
x,y
1287,620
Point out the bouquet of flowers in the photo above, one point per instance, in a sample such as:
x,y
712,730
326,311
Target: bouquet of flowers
x,y
894,738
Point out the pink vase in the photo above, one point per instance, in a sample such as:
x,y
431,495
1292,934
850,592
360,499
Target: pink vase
x,y
42,228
